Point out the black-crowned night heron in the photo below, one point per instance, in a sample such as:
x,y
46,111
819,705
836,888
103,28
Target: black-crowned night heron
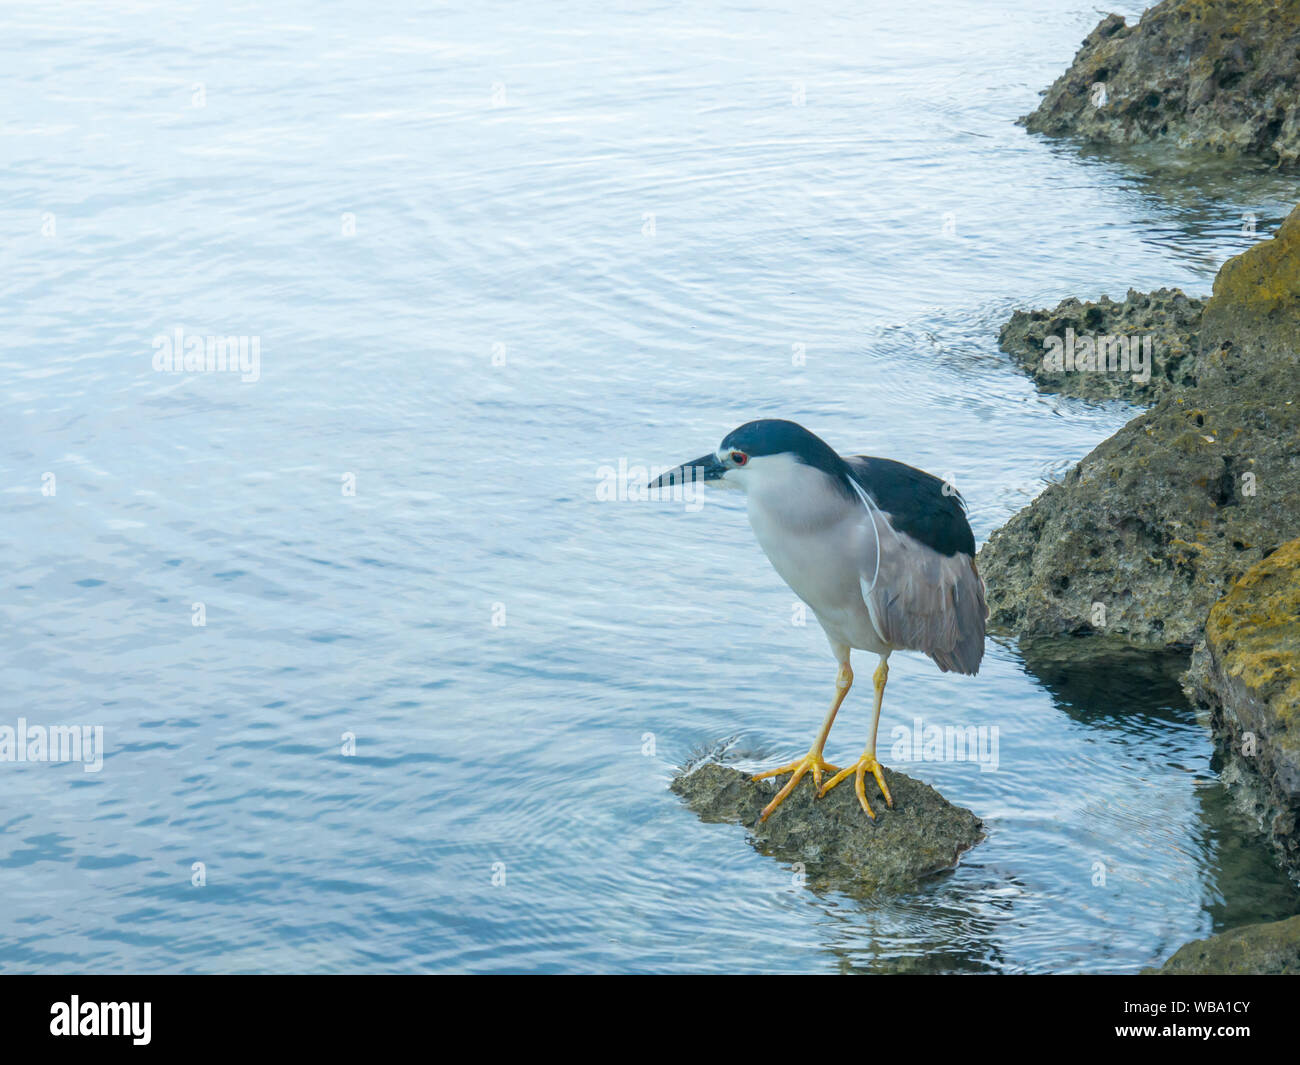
x,y
881,552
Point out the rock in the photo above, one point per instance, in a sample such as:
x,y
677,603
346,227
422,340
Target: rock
x,y
1249,326
1265,949
841,848
1154,526
1169,317
1247,672
1209,75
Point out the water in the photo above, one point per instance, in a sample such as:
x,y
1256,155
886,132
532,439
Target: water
x,y
580,237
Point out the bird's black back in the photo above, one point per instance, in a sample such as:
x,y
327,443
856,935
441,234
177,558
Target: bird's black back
x,y
916,503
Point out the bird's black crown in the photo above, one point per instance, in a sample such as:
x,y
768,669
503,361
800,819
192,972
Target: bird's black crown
x,y
776,436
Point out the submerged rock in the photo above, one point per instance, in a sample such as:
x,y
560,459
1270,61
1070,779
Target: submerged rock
x,y
1154,526
1248,673
1209,75
1266,949
1168,320
841,848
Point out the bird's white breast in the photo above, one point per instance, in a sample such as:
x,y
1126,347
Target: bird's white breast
x,y
817,539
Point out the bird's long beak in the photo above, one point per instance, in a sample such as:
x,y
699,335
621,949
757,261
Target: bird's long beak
x,y
705,468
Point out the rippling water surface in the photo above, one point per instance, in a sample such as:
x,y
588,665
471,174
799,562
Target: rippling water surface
x,y
484,255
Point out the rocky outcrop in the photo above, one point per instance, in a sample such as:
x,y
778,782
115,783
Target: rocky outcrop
x,y
1247,672
1211,75
1154,526
839,847
1164,326
1265,949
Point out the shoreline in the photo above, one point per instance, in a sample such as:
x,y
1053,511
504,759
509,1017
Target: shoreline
x,y
1181,531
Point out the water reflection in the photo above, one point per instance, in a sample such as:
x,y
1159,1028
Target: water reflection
x,y
1202,208
1103,683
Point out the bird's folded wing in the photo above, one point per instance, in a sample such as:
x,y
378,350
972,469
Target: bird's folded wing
x,y
920,599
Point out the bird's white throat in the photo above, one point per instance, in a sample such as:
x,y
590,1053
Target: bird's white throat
x,y
780,490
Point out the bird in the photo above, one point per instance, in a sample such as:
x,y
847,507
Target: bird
x,y
882,553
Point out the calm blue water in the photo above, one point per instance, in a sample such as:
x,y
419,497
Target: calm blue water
x,y
485,254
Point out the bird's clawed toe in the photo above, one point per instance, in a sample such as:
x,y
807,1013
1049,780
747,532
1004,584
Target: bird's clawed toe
x,y
859,770
812,762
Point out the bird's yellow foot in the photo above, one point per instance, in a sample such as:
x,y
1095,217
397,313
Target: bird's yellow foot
x,y
859,770
811,762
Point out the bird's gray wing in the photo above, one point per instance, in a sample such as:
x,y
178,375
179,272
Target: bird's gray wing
x,y
919,598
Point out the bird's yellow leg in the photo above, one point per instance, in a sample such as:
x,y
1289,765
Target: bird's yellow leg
x,y
867,763
812,762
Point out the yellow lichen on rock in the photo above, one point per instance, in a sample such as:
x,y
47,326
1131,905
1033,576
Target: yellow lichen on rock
x,y
1253,633
1248,673
1264,278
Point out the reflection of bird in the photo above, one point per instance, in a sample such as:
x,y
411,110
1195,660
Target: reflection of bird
x,y
880,551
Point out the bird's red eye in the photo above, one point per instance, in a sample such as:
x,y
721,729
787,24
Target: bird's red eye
x,y
739,458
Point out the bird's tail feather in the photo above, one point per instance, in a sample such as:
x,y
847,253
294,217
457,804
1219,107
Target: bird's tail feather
x,y
970,612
